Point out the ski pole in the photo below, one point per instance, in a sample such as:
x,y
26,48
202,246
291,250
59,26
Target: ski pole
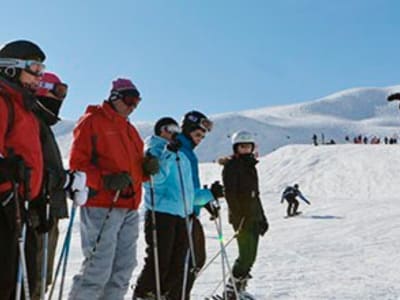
x,y
64,267
45,253
224,256
45,241
114,200
155,244
188,223
219,251
22,276
63,250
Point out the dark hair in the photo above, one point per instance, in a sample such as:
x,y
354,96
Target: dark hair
x,y
162,122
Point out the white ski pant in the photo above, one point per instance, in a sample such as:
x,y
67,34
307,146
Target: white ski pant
x,y
105,274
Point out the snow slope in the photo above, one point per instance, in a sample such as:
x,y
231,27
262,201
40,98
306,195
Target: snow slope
x,y
351,112
344,246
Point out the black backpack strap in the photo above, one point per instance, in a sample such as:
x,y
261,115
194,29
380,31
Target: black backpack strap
x,y
10,109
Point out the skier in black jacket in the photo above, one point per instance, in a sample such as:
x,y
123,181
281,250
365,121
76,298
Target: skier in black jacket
x,y
246,213
57,182
290,194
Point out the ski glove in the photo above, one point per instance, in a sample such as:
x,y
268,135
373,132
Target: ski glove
x,y
75,185
392,97
213,208
118,181
12,168
217,190
151,166
174,145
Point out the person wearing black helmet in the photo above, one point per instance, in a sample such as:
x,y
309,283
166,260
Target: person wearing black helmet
x,y
21,65
290,194
195,125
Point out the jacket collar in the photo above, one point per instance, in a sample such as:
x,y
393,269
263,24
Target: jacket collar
x,y
186,142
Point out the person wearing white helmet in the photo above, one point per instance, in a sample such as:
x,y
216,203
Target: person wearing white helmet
x,y
246,213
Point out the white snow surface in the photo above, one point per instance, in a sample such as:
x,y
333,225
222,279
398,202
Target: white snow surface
x,y
344,246
351,112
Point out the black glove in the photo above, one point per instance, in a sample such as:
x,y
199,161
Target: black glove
x,y
392,97
213,208
12,168
217,190
264,226
119,181
174,145
150,165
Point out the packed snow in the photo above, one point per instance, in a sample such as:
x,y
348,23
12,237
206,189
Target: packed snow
x,y
344,246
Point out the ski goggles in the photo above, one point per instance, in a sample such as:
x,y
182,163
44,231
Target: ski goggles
x,y
130,97
131,100
171,128
203,123
57,89
33,67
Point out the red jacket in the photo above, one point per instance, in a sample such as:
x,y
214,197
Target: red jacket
x,y
105,143
23,138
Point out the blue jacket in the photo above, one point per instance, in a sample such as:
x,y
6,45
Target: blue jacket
x,y
204,195
167,185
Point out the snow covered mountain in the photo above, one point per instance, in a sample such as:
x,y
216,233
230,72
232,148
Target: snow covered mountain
x,y
344,246
351,112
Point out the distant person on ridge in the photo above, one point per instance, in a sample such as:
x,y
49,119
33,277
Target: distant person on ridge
x,y
290,194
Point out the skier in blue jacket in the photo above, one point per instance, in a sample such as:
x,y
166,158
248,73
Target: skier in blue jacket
x,y
195,126
170,212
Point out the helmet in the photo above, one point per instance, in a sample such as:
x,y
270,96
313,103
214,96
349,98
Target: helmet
x,y
296,186
168,123
22,50
50,82
21,55
242,137
195,120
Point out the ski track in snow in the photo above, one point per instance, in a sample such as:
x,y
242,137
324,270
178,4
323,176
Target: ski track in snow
x,y
344,246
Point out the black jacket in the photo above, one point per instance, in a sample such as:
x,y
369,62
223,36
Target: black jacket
x,y
54,172
241,190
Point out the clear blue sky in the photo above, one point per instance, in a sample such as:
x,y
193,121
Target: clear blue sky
x,y
211,55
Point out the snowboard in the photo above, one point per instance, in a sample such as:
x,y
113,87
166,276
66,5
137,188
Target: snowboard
x,y
298,213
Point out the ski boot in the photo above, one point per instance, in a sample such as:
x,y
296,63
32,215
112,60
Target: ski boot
x,y
241,284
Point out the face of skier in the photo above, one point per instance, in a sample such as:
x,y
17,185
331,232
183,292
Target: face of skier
x,y
124,108
170,131
197,136
29,80
245,148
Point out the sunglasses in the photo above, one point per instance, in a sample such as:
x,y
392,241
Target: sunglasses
x,y
57,89
33,67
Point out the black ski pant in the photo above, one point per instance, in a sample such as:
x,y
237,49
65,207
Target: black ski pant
x,y
247,240
172,245
9,252
200,255
199,251
293,205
